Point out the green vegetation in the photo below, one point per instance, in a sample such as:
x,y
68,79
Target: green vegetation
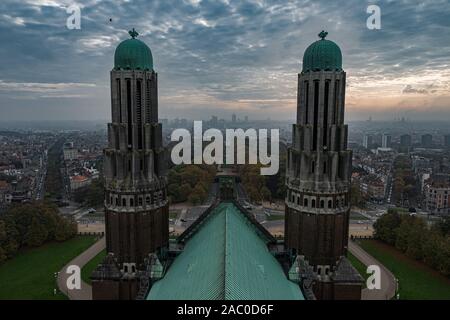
x,y
264,188
357,198
190,183
91,195
359,266
416,280
357,216
173,215
412,236
30,274
31,225
86,271
254,183
275,217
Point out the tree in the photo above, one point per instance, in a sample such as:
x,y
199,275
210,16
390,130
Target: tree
x,y
403,234
386,227
2,240
415,240
66,230
444,226
36,235
32,224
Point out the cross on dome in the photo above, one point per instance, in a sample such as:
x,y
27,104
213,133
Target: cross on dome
x,y
323,34
133,33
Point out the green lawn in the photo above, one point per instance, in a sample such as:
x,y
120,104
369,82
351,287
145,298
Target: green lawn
x,y
30,274
173,214
357,216
359,266
275,217
91,265
416,280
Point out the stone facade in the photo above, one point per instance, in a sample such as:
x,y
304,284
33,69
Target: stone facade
x,y
136,204
318,181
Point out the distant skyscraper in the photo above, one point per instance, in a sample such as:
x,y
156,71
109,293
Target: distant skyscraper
x,y
319,167
233,118
367,141
214,121
136,205
447,141
405,140
386,141
427,141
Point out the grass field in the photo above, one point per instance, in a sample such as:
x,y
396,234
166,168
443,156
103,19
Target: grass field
x,y
30,274
91,265
359,266
416,280
357,216
275,217
173,214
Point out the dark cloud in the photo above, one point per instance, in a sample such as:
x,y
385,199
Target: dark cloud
x,y
220,50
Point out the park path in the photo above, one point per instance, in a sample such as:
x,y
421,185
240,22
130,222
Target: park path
x,y
388,281
85,293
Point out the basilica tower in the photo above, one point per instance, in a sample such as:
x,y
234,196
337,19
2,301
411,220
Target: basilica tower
x,y
319,168
136,206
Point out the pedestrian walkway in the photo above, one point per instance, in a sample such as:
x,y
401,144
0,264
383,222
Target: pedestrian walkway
x,y
85,293
388,282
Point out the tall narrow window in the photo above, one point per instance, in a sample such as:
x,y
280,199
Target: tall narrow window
x,y
129,115
324,167
335,102
147,102
325,113
119,99
306,120
316,114
139,111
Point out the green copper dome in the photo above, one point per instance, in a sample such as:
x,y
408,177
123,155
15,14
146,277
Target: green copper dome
x,y
133,54
322,55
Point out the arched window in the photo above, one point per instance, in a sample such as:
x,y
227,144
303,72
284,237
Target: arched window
x,y
140,201
313,203
330,203
147,200
124,202
305,202
131,202
117,202
322,204
298,200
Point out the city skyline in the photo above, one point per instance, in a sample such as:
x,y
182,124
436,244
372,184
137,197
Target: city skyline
x,y
222,57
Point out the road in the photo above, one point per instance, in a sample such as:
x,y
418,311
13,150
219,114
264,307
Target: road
x,y
388,282
85,293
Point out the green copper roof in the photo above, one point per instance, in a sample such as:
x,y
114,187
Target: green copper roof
x,y
225,259
133,54
322,55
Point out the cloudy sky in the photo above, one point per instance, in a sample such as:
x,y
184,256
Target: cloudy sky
x,y
218,57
